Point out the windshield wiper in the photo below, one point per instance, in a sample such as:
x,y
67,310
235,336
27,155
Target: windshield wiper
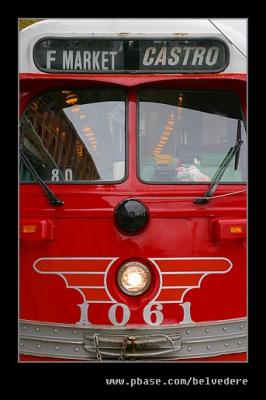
x,y
49,193
233,151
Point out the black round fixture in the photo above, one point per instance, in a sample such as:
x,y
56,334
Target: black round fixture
x,y
131,216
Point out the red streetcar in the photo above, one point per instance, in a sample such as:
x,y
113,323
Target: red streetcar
x,y
133,170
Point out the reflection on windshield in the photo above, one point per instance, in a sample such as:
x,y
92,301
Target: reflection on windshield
x,y
77,136
102,137
184,136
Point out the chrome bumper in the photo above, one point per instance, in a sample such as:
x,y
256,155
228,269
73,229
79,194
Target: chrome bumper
x,y
169,342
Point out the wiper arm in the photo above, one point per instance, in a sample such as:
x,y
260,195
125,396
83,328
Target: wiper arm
x,y
49,193
233,151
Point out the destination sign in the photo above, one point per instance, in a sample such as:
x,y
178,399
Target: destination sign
x,y
117,56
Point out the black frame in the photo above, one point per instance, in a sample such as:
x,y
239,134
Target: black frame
x,y
160,71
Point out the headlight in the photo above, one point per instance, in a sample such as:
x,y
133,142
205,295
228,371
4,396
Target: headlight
x,y
134,278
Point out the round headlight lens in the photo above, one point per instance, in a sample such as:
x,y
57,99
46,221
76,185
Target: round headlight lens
x,y
134,278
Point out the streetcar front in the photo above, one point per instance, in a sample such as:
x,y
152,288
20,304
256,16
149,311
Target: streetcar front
x,y
133,169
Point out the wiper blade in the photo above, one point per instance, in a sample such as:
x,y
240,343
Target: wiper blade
x,y
233,151
238,138
49,193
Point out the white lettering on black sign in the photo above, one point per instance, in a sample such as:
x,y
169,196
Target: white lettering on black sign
x,y
177,56
111,55
87,60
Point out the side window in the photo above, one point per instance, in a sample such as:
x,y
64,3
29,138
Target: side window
x,y
184,136
75,135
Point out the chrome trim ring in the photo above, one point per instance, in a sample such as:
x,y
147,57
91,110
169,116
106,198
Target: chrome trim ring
x,y
120,273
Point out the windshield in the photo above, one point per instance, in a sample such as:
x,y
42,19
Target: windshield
x,y
184,136
75,135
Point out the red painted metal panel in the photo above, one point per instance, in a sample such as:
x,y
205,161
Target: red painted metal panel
x,y
84,228
37,229
229,229
224,358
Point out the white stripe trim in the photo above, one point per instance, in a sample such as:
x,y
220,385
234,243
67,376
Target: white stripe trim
x,y
178,287
188,272
204,273
112,259
87,287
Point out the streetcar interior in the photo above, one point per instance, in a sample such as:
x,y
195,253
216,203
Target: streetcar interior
x,y
185,135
